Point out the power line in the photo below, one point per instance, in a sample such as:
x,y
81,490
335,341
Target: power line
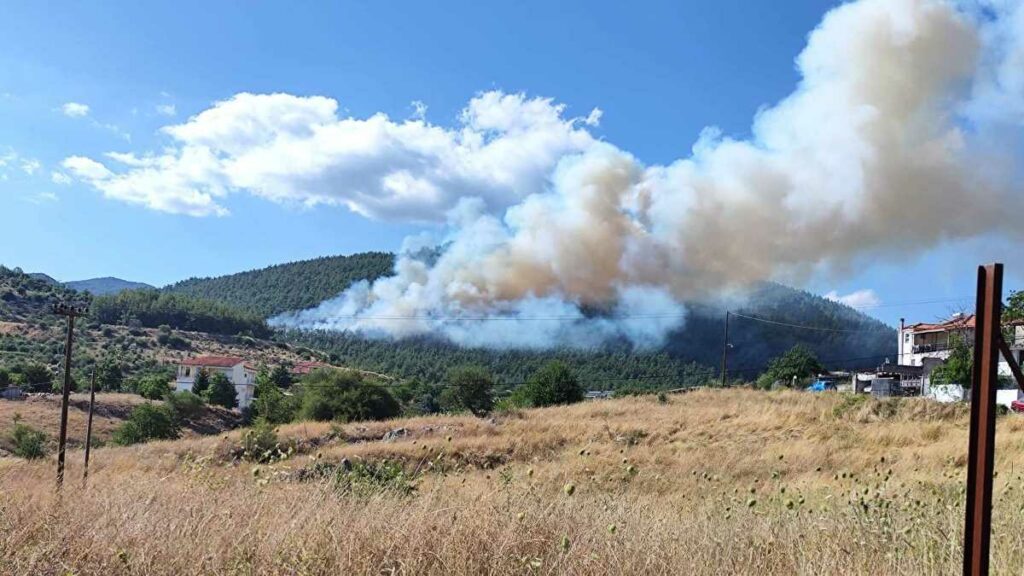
x,y
805,327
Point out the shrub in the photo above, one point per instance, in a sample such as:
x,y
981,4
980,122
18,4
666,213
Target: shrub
x,y
221,392
28,442
553,384
341,395
147,422
153,387
469,388
369,478
272,405
185,405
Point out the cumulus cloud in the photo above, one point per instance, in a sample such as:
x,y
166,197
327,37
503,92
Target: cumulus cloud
x,y
886,147
860,299
30,166
294,149
166,109
75,109
60,178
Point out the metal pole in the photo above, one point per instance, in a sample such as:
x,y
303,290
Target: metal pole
x,y
62,444
981,446
88,427
725,350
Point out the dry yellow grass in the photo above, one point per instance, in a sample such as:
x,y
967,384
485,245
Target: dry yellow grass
x,y
714,482
42,412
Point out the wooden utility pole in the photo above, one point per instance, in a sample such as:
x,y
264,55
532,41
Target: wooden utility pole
x,y
88,427
725,350
70,312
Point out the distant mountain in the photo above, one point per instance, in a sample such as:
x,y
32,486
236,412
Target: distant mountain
x,y
291,286
105,285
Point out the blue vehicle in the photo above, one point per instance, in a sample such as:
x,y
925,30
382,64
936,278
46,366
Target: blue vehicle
x,y
821,386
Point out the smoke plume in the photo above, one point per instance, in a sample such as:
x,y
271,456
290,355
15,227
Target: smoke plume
x,y
904,132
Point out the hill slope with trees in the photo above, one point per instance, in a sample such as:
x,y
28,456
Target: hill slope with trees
x,y
291,286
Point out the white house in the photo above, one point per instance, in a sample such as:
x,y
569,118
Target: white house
x,y
240,374
929,344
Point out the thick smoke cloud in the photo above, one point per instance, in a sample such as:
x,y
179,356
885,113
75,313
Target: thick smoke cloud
x,y
904,132
889,145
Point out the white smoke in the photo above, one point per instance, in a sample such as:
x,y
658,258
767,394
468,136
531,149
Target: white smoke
x,y
889,145
904,132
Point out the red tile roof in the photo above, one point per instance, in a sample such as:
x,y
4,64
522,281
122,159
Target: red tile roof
x,y
307,366
957,323
215,361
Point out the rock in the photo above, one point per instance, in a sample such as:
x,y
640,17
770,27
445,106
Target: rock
x,y
346,465
395,434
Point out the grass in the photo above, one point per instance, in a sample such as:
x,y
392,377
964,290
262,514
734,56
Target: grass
x,y
713,482
42,412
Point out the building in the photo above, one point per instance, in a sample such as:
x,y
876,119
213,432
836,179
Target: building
x,y
921,341
237,371
300,369
928,345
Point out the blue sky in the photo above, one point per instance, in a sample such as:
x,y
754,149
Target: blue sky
x,y
659,74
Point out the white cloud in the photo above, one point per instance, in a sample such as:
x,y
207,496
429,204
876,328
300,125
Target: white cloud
x,y
294,149
45,196
60,178
865,298
75,109
30,166
166,109
419,110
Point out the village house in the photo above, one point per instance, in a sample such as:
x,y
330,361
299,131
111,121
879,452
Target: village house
x,y
926,346
241,375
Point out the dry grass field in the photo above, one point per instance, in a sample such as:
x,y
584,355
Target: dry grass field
x,y
712,482
42,412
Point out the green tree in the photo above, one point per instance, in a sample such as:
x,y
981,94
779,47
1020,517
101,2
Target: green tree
x,y
36,375
553,384
799,363
5,377
958,367
470,389
152,386
201,383
147,422
108,374
221,392
344,395
270,403
185,405
281,376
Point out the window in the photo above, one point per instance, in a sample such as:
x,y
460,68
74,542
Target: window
x,y
188,371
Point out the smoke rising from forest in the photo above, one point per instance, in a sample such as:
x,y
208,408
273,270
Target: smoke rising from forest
x,y
904,131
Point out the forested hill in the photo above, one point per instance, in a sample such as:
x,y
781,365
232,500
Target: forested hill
x,y
844,337
291,286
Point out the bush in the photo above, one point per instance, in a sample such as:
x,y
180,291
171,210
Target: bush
x,y
28,442
272,405
185,405
469,388
341,395
221,392
147,422
153,387
553,384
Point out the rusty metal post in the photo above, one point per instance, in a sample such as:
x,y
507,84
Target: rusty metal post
x,y
981,446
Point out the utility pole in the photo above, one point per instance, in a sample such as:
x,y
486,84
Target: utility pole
x,y
70,312
725,350
88,427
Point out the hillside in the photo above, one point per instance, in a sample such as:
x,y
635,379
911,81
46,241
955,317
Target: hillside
x,y
859,340
712,482
42,412
292,286
105,285
32,338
